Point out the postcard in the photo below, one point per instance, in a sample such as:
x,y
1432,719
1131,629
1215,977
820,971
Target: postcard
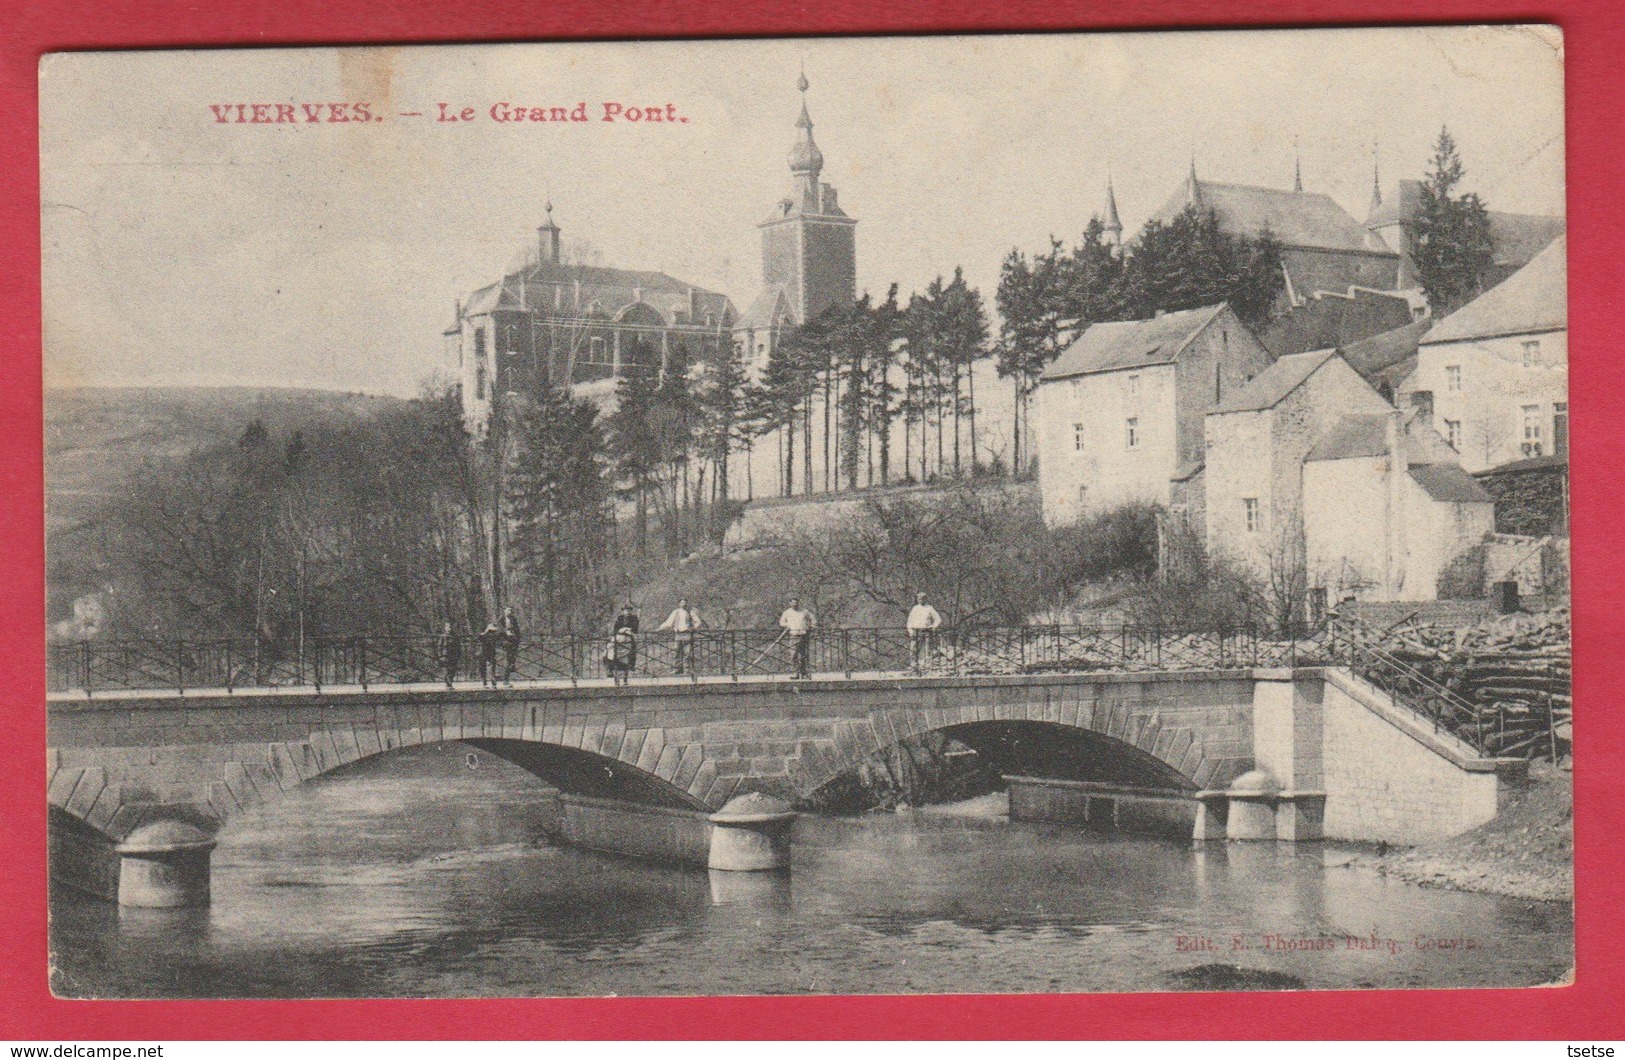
x,y
1057,513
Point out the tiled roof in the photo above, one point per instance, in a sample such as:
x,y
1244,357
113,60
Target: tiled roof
x,y
1326,319
1296,218
1400,205
1535,298
1366,434
1531,463
1370,357
1448,482
1519,237
608,289
1276,382
1131,343
763,309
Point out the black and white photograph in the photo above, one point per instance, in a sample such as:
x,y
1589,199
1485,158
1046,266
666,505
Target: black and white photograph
x,y
1008,514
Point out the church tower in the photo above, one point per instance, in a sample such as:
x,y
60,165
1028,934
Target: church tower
x,y
809,246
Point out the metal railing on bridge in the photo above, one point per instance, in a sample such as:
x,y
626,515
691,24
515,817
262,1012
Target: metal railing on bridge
x,y
92,666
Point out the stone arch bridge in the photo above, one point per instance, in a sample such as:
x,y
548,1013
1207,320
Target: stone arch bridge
x,y
140,784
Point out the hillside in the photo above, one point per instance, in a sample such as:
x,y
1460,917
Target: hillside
x,y
95,437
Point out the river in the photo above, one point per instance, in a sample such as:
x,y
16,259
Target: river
x,y
425,874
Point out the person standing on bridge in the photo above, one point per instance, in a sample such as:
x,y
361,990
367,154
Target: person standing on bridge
x,y
683,621
798,624
450,650
923,623
627,622
510,643
488,655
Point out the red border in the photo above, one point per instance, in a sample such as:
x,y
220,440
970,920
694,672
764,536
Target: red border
x,y
1591,1008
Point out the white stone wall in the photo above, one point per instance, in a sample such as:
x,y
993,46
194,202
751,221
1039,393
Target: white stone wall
x,y
1436,532
1260,454
1495,385
1345,555
1385,784
1346,532
1238,448
1109,472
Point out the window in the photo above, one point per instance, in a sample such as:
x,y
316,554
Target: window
x,y
1083,495
1531,353
1077,437
1560,429
1134,389
595,350
1250,513
1131,432
1531,430
479,364
1452,377
1452,434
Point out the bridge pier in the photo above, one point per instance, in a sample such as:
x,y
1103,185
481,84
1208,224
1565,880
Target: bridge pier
x,y
1109,807
164,865
750,834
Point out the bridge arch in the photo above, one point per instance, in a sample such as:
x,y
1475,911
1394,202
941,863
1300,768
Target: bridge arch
x,y
1118,743
211,783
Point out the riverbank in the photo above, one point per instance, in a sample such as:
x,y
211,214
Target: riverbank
x,y
1526,851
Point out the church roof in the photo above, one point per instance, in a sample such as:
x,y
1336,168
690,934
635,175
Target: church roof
x,y
1274,383
1309,220
1112,223
1131,343
1535,298
1400,205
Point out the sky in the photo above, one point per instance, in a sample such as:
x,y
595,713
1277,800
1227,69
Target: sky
x,y
183,250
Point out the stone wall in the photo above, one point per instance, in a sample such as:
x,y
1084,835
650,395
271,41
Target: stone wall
x,y
1390,778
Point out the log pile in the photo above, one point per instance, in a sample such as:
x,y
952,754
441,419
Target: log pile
x,y
1518,668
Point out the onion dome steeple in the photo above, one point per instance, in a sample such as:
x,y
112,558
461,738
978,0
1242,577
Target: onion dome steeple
x,y
805,157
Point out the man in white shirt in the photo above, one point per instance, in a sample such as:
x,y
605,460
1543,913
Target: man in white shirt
x,y
923,622
798,624
683,621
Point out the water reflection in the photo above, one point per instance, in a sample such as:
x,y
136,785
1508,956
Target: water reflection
x,y
415,876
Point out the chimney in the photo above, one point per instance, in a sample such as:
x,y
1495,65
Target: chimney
x,y
1422,402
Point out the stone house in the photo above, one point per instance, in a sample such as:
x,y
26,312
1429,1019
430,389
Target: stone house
x,y
1498,368
1256,441
1386,508
1119,412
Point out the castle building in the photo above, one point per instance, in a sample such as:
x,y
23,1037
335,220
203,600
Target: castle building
x,y
552,323
809,252
1517,237
1322,247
